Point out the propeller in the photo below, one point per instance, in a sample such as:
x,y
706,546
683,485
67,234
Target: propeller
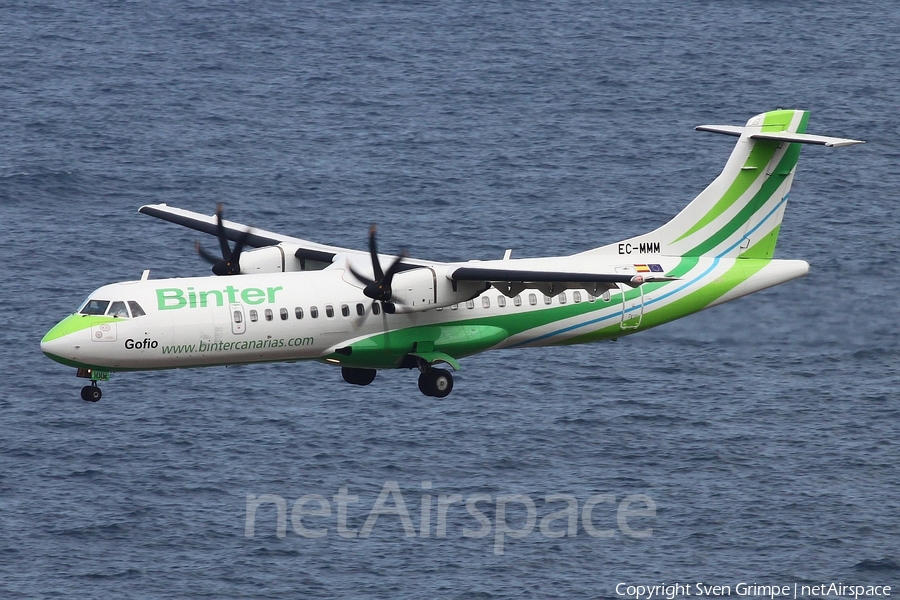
x,y
379,289
229,264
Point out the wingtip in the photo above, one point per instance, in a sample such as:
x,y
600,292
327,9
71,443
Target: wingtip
x,y
843,143
148,207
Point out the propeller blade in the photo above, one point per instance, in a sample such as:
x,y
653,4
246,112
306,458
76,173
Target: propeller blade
x,y
373,252
362,278
229,264
211,259
379,289
234,262
220,233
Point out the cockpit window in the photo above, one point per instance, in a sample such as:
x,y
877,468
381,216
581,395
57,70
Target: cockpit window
x,y
118,310
136,310
94,307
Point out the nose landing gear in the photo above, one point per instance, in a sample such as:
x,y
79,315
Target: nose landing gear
x,y
91,393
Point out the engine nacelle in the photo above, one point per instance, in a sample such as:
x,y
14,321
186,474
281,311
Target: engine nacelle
x,y
280,259
268,259
425,288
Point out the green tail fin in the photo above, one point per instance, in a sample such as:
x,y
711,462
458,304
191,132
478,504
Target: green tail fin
x,y
739,214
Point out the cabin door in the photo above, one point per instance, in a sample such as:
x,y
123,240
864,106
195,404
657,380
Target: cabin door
x,y
632,301
238,322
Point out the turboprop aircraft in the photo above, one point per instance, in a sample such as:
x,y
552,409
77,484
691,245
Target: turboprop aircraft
x,y
291,299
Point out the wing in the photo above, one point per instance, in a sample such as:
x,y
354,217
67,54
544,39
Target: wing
x,y
513,281
256,238
551,275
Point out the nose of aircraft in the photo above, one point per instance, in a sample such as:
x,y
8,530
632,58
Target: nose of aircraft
x,y
60,344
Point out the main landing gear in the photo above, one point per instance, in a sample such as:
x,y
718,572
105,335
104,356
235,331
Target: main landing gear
x,y
358,376
91,393
435,382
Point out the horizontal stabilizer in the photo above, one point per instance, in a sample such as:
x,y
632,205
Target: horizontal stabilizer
x,y
781,136
735,130
806,138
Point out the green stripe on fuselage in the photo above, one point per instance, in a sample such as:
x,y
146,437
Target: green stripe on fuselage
x,y
396,344
457,339
693,302
687,263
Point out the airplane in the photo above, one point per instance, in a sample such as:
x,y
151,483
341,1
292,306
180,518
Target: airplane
x,y
290,299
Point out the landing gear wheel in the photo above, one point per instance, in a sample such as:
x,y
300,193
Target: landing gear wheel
x,y
358,376
423,384
438,382
91,393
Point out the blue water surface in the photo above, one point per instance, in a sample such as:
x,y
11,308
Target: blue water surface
x,y
763,431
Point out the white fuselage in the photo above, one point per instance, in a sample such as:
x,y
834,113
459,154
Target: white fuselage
x,y
204,321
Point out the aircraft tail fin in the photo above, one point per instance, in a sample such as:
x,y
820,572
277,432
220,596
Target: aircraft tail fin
x,y
739,214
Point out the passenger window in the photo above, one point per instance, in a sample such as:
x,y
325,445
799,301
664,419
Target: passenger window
x,y
118,309
548,299
605,296
454,307
95,307
136,310
238,316
376,308
269,314
517,300
486,302
470,304
329,311
314,312
360,309
254,316
298,312
532,299
591,297
501,301
284,314
576,297
562,298
345,310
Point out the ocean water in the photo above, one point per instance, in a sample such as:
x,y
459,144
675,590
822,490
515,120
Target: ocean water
x,y
764,432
